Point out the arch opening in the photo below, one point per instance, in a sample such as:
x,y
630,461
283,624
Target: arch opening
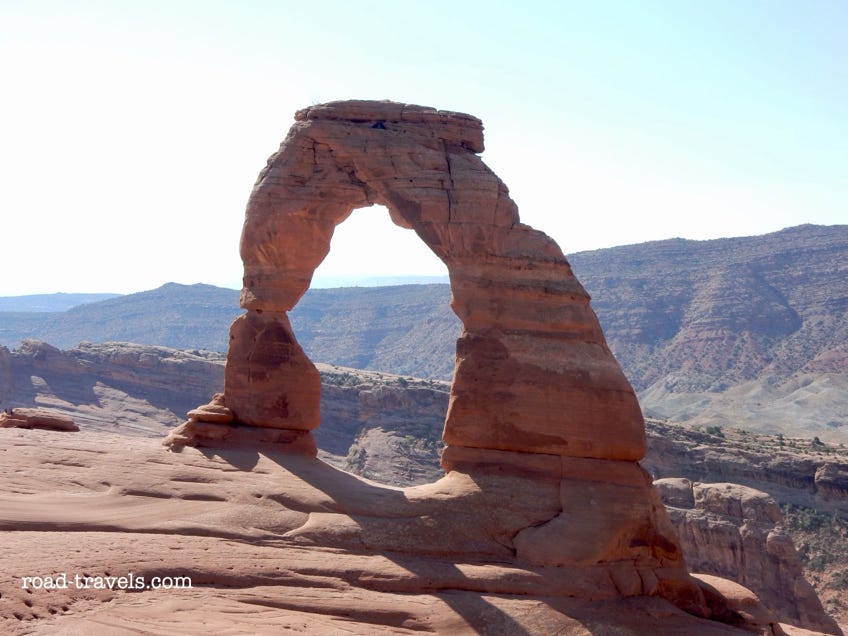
x,y
381,335
369,249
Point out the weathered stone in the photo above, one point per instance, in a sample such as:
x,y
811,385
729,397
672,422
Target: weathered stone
x,y
37,418
533,371
216,411
734,532
211,435
269,381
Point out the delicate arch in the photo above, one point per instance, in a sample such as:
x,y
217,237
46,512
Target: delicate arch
x,y
533,372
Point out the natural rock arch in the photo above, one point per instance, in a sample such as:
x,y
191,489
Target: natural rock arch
x,y
540,419
533,372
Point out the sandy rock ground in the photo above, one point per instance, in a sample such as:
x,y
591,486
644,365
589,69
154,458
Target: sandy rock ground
x,y
271,543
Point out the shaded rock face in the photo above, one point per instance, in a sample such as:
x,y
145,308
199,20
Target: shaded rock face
x,y
734,531
135,389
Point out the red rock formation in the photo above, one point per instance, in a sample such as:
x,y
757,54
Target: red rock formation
x,y
538,403
530,339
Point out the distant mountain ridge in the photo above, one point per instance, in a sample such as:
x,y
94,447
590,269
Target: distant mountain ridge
x,y
748,331
177,316
49,302
726,310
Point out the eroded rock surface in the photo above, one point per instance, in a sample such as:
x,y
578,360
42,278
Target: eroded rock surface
x,y
37,418
734,531
275,542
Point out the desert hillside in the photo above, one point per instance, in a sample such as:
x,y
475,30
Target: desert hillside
x,y
748,332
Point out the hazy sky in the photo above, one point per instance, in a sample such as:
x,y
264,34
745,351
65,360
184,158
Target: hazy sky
x,y
131,132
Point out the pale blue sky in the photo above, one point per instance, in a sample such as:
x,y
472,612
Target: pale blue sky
x,y
131,132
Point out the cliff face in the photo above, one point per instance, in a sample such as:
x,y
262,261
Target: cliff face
x,y
735,532
383,427
141,390
795,471
747,332
721,312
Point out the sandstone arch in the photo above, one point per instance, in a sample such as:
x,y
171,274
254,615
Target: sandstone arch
x,y
543,430
533,372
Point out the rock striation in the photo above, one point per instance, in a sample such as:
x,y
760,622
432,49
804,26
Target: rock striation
x,y
793,470
139,390
540,419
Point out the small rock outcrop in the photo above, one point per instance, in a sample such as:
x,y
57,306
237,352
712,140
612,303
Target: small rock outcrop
x,y
37,418
734,532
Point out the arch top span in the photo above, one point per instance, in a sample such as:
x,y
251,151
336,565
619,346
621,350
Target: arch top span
x,y
533,372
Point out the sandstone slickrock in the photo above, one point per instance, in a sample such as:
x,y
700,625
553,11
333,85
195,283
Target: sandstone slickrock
x,y
274,541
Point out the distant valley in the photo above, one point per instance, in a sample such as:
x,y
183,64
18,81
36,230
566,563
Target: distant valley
x,y
743,332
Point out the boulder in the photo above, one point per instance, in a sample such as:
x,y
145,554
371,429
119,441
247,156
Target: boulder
x,y
37,418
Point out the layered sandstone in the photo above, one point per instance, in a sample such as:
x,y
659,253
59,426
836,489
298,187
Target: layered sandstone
x,y
136,389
